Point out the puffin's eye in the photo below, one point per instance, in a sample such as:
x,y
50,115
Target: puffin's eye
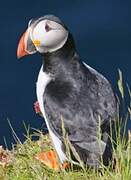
x,y
47,28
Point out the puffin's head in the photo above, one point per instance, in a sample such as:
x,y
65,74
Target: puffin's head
x,y
45,34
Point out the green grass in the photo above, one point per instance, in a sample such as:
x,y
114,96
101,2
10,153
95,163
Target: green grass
x,y
22,164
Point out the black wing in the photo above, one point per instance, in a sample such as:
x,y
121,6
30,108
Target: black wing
x,y
84,100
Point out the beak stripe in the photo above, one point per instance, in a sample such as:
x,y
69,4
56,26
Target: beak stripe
x,y
21,51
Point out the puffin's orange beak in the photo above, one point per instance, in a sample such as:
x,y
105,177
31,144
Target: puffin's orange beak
x,y
21,50
25,45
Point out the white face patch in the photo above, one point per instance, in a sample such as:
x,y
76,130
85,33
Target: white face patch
x,y
50,40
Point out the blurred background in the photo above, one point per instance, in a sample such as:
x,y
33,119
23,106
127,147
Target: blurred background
x,y
102,31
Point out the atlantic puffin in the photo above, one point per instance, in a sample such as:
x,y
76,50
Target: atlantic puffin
x,y
67,88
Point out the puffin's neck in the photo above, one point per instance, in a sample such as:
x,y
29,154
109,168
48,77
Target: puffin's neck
x,y
56,62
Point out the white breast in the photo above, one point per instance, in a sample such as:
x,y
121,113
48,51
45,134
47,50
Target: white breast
x,y
43,80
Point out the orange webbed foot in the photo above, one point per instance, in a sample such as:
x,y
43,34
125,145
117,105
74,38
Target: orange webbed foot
x,y
50,159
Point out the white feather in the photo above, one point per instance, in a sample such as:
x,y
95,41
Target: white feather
x,y
43,80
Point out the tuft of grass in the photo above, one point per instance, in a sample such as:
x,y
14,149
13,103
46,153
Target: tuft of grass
x,y
24,166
